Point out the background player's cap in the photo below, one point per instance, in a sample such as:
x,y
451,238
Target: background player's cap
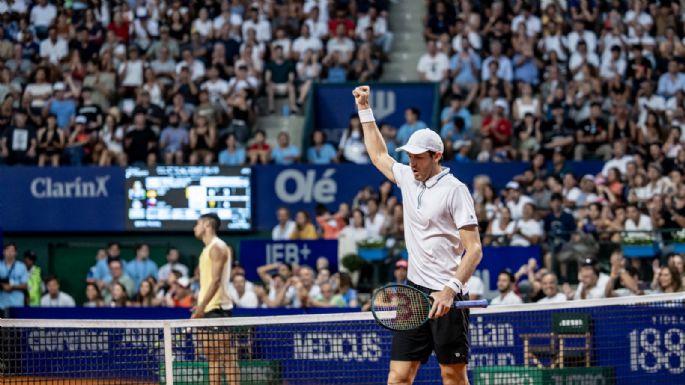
x,y
422,141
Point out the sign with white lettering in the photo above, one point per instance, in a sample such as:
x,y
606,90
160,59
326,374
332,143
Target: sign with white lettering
x,y
255,253
62,199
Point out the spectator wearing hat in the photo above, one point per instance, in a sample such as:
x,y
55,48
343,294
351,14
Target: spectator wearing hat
x,y
55,297
498,127
505,287
516,200
18,145
34,286
50,142
63,107
181,294
79,142
400,272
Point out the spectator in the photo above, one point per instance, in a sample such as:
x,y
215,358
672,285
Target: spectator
x,y
141,267
118,297
672,81
304,229
140,142
306,42
351,147
331,224
285,153
34,286
364,67
411,124
516,201
54,297
19,143
13,278
527,230
400,272
285,227
591,136
173,140
50,142
63,107
558,227
201,142
558,131
592,283
308,70
181,294
320,151
259,24
146,295
433,66
353,233
501,229
374,220
173,257
116,277
93,296
233,154
497,127
259,152
346,295
551,290
623,280
637,224
241,296
505,287
54,49
280,79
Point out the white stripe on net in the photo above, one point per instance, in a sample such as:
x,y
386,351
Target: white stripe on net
x,y
322,318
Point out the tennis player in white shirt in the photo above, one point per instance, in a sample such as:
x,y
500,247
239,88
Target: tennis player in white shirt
x,y
441,233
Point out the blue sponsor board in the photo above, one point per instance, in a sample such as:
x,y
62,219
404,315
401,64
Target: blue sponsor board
x,y
641,344
62,199
334,105
498,258
255,253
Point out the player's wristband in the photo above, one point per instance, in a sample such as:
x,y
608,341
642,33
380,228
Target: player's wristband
x,y
456,286
366,116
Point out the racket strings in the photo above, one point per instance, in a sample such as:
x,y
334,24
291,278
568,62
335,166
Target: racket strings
x,y
400,308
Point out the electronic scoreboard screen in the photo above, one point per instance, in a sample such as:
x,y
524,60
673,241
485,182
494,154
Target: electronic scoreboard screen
x,y
173,197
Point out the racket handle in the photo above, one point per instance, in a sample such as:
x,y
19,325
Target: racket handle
x,y
469,304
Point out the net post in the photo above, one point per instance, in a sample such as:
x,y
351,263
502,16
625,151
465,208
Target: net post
x,y
168,355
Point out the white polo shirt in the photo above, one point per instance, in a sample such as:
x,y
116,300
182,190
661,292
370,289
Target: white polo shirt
x,y
434,212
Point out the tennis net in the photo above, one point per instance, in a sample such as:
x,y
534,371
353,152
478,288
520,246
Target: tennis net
x,y
632,340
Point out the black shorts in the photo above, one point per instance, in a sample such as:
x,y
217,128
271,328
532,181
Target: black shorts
x,y
447,336
219,313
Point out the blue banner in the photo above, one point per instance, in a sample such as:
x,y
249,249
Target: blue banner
x,y
334,104
636,344
62,199
256,253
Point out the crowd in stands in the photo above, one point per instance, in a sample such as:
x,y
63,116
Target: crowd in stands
x,y
176,82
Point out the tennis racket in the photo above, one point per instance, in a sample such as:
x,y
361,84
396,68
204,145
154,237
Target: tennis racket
x,y
401,307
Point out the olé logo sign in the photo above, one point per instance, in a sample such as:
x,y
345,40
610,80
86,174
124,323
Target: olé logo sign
x,y
296,186
384,103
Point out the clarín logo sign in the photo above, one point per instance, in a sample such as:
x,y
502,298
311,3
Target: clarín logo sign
x,y
47,188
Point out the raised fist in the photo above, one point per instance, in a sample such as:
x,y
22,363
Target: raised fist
x,y
361,96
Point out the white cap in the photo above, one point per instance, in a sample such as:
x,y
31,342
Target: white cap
x,y
183,281
513,185
422,141
502,104
59,86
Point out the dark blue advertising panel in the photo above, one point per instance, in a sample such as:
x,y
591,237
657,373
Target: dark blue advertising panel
x,y
255,253
498,258
334,104
633,344
62,199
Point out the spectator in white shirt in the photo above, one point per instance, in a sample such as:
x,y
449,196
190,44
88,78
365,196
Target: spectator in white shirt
x,y
203,25
55,297
172,259
531,21
282,40
592,283
285,226
54,48
515,200
306,41
433,65
381,35
672,81
374,219
613,65
578,34
582,56
505,70
341,44
42,16
528,230
318,26
551,289
131,70
196,67
261,26
216,87
241,296
637,225
637,16
554,41
620,159
505,286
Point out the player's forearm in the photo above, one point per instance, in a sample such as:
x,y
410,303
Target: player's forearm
x,y
469,262
373,140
